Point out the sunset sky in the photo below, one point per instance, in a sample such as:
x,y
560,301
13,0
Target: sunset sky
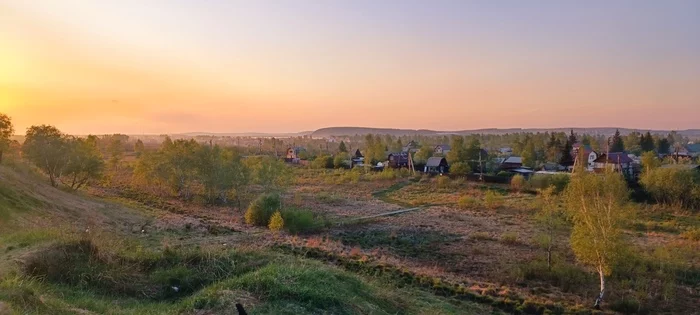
x,y
168,66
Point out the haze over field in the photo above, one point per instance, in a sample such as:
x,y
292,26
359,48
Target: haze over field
x,y
143,67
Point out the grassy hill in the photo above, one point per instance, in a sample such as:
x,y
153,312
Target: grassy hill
x,y
65,253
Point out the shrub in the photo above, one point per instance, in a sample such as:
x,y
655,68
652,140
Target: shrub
x,y
459,168
492,200
510,238
276,222
674,186
302,221
262,208
387,173
544,181
517,183
467,202
341,160
323,161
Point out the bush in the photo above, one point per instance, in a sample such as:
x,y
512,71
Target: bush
x,y
387,173
323,161
517,183
467,202
460,168
301,221
510,238
262,208
276,222
492,200
673,186
544,181
341,160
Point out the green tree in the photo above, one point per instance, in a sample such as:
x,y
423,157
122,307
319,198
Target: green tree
x,y
663,146
632,142
616,143
116,152
6,131
423,154
566,158
342,147
47,148
322,161
572,138
646,143
139,148
458,153
673,185
528,154
650,161
597,207
341,160
551,219
215,170
84,162
553,148
270,173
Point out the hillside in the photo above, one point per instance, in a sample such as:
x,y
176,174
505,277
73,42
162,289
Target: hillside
x,y
351,131
66,253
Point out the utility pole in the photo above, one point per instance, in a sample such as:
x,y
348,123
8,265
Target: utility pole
x,y
481,168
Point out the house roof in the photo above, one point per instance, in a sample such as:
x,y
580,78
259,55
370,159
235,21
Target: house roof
x,y
444,147
614,158
695,147
434,161
514,160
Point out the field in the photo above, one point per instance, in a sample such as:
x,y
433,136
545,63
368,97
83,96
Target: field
x,y
461,248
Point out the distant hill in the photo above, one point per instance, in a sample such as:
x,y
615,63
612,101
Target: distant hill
x,y
249,134
351,131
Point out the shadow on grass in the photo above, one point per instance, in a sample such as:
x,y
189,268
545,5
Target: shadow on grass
x,y
417,243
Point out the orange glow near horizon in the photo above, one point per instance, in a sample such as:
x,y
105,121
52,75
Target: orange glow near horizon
x,y
87,68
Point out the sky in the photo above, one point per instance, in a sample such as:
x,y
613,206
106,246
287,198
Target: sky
x,y
172,66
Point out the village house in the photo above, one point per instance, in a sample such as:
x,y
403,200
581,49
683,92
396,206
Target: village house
x,y
436,165
618,161
509,163
398,159
588,154
293,154
442,149
358,159
412,147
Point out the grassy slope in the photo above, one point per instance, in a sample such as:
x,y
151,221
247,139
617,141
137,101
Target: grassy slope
x,y
47,267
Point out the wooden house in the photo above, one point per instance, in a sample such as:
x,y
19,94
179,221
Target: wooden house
x,y
588,154
436,165
398,159
442,149
509,163
357,159
618,162
293,154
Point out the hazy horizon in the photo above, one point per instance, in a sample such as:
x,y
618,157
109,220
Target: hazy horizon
x,y
157,67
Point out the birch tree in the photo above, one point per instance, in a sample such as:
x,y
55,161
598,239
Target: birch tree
x,y
596,204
